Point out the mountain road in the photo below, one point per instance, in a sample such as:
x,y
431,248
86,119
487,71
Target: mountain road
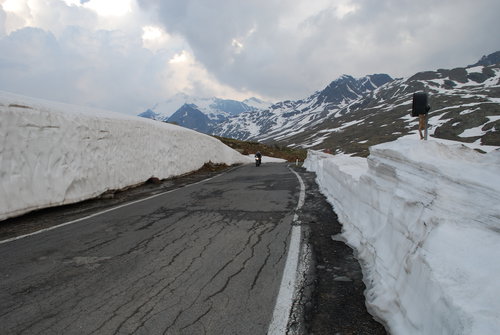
x,y
206,258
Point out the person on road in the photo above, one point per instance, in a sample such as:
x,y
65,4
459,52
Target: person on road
x,y
258,158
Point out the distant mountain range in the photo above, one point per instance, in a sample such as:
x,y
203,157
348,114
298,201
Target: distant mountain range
x,y
288,118
201,114
351,114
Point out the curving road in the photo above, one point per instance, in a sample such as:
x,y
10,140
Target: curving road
x,y
203,259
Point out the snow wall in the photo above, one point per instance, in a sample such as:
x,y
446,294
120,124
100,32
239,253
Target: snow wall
x,y
53,153
424,218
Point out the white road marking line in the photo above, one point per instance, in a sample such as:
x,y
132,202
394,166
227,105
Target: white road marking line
x,y
102,212
284,300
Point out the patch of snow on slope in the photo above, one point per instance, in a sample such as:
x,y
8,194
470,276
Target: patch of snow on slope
x,y
493,81
476,131
475,69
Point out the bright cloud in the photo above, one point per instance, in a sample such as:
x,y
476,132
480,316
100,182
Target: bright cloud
x,y
155,38
152,33
301,46
344,9
182,57
16,15
109,54
13,6
186,74
237,45
104,7
110,7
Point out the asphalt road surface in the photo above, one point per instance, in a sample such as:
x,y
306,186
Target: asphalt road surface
x,y
207,258
202,259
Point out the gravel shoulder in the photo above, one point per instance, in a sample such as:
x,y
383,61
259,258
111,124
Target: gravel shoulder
x,y
332,301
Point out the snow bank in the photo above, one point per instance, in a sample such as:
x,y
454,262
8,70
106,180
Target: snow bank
x,y
53,153
267,159
424,218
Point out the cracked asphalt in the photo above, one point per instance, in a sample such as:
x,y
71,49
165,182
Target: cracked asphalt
x,y
201,259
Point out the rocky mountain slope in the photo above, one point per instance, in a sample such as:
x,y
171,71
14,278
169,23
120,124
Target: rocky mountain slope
x,y
289,118
189,116
351,114
465,106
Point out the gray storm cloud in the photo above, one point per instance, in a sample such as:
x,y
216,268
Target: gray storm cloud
x,y
64,50
268,47
100,69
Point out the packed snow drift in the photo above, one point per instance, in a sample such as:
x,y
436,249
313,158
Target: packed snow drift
x,y
53,153
424,218
267,159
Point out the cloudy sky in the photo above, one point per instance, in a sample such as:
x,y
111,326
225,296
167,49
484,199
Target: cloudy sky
x,y
126,55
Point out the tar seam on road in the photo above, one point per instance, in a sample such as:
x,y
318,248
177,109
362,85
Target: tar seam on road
x,y
284,300
103,212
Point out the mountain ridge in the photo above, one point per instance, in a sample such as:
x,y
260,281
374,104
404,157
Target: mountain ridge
x,y
289,116
213,107
351,114
465,107
200,114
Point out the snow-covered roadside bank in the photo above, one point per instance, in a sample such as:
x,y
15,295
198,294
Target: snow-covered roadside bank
x,y
424,218
267,159
53,153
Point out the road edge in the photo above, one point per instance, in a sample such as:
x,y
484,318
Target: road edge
x,y
284,301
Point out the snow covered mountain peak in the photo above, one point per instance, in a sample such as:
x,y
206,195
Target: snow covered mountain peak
x,y
287,118
347,88
351,114
253,117
214,108
201,114
464,107
257,103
